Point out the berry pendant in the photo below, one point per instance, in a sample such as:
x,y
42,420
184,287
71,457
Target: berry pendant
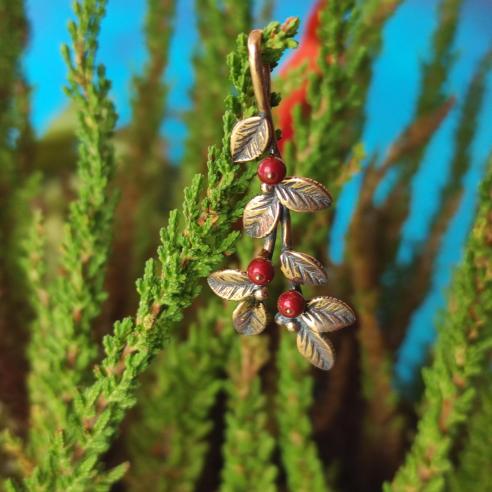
x,y
263,215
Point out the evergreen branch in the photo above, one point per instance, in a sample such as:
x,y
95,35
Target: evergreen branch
x,y
189,250
168,442
145,168
325,138
248,444
463,341
365,260
170,439
372,245
149,99
350,38
13,447
218,23
415,279
15,186
300,457
475,459
433,95
66,349
180,421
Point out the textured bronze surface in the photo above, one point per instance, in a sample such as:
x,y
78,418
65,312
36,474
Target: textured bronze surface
x,y
327,314
250,138
261,215
250,317
317,350
303,194
232,285
302,268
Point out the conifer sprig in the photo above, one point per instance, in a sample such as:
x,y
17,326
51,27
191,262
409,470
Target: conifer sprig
x,y
414,280
63,351
459,357
300,456
475,458
211,76
325,139
190,249
433,95
145,169
168,441
14,184
248,445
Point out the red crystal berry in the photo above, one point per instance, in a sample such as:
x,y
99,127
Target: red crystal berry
x,y
271,170
291,304
260,271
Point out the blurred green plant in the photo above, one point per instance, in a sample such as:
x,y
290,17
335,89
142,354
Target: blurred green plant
x,y
172,399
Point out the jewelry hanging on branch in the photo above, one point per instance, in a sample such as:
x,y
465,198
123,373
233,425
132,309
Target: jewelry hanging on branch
x,y
251,138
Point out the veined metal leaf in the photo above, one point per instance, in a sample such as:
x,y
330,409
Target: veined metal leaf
x,y
316,350
261,215
250,317
302,194
327,314
302,268
232,285
250,138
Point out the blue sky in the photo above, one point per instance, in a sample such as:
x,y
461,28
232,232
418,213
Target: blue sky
x,y
389,109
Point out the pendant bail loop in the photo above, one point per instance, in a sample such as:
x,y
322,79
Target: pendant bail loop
x,y
260,74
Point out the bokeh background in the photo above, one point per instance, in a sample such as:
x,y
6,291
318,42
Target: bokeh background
x,y
407,38
105,386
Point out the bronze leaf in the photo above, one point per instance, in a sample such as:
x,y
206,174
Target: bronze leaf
x,y
315,349
302,268
261,215
250,138
250,317
302,194
327,314
232,285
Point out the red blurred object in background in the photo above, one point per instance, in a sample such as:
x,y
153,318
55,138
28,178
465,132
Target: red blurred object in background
x,y
306,53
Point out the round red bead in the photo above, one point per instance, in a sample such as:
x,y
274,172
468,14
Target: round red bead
x,y
261,271
291,304
271,170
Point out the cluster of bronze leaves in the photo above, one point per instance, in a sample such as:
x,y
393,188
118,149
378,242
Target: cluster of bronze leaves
x,y
251,138
262,216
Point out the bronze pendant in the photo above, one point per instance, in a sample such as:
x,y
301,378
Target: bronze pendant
x,y
251,138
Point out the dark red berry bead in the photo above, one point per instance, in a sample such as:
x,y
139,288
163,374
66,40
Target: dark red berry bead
x,y
271,170
291,304
260,271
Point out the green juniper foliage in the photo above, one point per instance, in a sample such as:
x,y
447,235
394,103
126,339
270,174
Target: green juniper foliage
x,y
211,80
432,96
145,144
460,357
414,280
247,452
173,399
189,250
15,185
61,348
168,440
476,458
329,134
144,197
186,464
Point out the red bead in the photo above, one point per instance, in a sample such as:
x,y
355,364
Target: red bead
x,y
291,304
260,271
271,170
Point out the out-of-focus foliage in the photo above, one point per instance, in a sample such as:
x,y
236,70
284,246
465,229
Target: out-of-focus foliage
x,y
153,390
